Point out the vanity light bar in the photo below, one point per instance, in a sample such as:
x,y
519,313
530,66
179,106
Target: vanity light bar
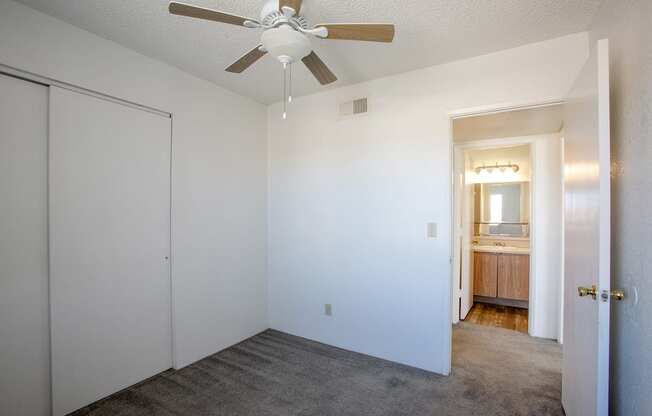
x,y
502,168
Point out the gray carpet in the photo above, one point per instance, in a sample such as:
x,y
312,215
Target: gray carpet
x,y
495,372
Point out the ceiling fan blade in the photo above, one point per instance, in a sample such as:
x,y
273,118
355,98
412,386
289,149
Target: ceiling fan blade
x,y
371,32
294,4
183,9
246,61
319,69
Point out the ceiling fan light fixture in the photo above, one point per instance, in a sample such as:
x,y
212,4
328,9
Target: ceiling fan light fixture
x,y
285,37
286,44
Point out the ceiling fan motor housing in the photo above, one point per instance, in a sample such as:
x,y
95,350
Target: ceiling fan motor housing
x,y
286,44
271,7
285,36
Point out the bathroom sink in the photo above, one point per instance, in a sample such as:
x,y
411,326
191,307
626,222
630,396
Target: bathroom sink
x,y
501,249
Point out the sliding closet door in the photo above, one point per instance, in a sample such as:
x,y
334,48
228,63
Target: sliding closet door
x,y
24,330
109,247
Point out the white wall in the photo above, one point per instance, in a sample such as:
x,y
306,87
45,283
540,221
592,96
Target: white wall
x,y
350,200
219,206
627,25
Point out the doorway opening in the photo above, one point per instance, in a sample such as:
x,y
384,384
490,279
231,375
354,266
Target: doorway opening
x,y
507,220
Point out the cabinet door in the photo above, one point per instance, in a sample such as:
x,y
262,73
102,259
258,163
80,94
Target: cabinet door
x,y
485,274
513,276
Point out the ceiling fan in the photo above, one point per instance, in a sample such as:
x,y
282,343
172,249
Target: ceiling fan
x,y
285,36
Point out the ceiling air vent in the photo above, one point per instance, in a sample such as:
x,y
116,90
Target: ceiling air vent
x,y
350,108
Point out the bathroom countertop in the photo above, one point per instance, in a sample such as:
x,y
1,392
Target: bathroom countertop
x,y
500,249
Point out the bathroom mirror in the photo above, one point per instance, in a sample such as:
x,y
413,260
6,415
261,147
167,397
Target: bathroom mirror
x,y
502,209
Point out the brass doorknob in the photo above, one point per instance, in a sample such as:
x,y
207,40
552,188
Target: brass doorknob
x,y
587,291
614,294
618,294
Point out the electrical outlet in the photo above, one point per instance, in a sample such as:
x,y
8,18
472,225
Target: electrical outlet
x,y
328,309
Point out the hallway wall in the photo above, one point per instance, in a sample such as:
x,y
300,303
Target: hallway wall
x,y
351,198
627,25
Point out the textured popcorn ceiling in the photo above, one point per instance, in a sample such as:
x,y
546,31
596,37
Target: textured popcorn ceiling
x,y
428,32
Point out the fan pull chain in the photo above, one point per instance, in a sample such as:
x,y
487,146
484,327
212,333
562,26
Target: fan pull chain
x,y
290,84
285,90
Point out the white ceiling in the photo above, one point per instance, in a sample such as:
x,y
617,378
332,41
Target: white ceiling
x,y
428,32
528,122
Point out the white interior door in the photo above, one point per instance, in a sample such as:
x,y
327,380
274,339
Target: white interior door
x,y
585,380
466,276
462,236
24,326
457,243
109,246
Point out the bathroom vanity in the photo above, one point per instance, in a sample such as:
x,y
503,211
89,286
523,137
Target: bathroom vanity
x,y
501,275
500,247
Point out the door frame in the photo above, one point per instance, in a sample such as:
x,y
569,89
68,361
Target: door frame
x,y
507,143
492,143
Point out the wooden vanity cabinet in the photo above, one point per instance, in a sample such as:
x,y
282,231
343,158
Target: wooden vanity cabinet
x,y
501,275
513,276
485,274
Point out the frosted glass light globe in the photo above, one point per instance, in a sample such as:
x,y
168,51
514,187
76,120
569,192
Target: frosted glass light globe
x,y
286,44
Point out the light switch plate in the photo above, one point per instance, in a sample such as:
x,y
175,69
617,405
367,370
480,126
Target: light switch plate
x,y
432,230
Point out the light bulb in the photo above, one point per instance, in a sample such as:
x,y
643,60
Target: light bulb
x,y
285,115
